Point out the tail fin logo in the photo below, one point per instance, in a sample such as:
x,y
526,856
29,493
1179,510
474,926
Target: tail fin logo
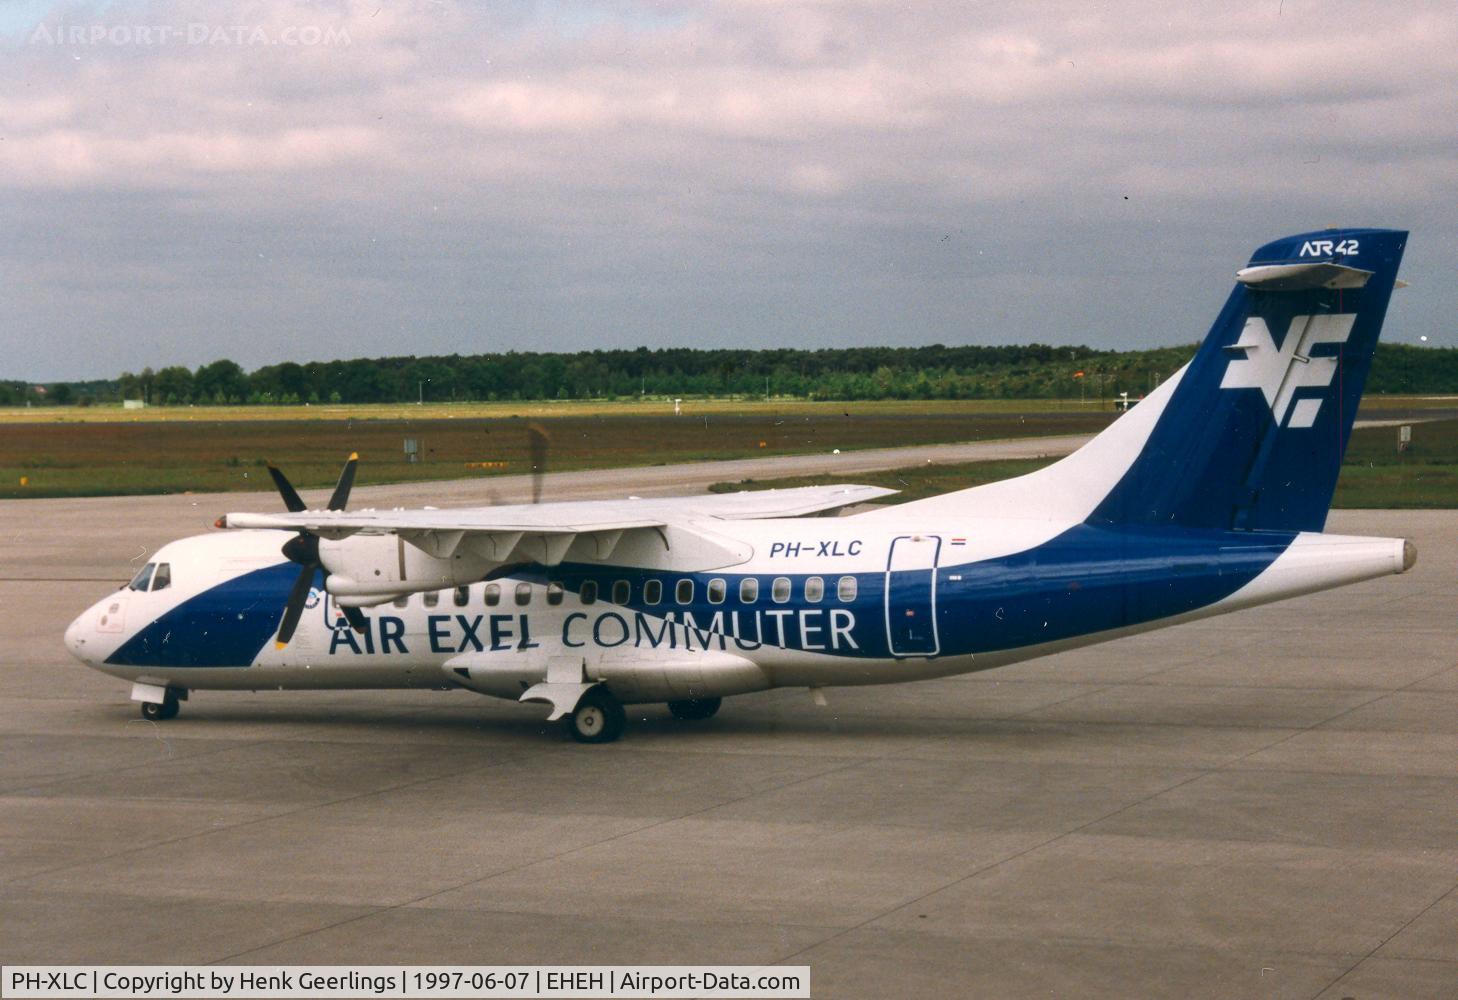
x,y
1326,248
1279,372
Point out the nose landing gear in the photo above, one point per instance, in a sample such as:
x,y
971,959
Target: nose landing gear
x,y
167,708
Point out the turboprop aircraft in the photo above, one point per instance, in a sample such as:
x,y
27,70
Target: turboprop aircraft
x,y
1208,497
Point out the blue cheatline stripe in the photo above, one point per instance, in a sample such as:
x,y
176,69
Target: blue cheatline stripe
x,y
1091,580
1087,580
224,626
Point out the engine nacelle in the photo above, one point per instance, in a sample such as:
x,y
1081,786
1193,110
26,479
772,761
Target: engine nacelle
x,y
634,676
383,566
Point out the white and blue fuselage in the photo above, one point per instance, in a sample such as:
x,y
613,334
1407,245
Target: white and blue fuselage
x,y
822,602
1208,497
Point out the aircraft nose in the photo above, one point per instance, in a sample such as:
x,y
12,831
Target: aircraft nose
x,y
75,639
82,640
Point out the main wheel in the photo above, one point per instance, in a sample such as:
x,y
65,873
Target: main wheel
x,y
598,718
167,708
693,709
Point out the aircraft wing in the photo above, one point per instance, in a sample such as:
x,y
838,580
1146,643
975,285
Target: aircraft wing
x,y
552,528
536,519
572,517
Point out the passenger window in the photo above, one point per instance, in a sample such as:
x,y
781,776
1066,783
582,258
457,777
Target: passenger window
x,y
749,590
622,590
652,591
685,592
162,579
588,592
403,601
554,593
523,594
814,589
846,588
493,594
716,591
780,589
461,596
143,577
432,598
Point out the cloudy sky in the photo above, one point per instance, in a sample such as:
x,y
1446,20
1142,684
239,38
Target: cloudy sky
x,y
185,181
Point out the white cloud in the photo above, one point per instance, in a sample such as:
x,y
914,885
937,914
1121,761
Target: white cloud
x,y
616,141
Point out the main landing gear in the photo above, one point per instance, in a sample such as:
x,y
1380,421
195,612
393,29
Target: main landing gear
x,y
598,718
694,709
167,708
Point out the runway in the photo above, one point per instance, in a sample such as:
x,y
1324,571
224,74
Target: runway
x,y
1260,805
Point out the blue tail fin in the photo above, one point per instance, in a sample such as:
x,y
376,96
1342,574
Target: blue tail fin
x,y
1253,434
1250,434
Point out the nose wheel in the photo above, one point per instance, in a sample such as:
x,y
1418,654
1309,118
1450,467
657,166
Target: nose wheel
x,y
161,711
598,718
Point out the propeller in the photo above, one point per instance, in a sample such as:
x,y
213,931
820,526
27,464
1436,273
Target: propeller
x,y
303,549
537,445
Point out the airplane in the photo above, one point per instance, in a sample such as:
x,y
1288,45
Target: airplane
x,y
1208,497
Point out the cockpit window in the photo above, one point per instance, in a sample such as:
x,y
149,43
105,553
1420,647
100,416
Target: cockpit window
x,y
163,577
143,577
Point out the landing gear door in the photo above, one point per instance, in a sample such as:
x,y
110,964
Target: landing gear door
x,y
911,595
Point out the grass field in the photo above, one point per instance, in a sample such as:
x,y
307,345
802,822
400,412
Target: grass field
x,y
1374,474
537,409
171,450
555,409
156,456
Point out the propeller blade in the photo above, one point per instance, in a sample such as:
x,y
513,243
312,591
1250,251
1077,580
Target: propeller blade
x,y
292,502
537,444
355,617
345,484
294,609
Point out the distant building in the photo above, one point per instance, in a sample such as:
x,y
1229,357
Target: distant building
x,y
133,404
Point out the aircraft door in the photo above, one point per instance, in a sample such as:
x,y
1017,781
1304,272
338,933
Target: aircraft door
x,y
911,595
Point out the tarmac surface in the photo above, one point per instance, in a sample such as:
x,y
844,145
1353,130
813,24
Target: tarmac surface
x,y
1260,805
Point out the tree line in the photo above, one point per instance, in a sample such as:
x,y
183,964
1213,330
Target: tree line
x,y
1030,371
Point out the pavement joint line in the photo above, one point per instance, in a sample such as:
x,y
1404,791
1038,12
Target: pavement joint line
x,y
1383,943
1143,682
1415,916
250,822
1020,716
1386,694
512,869
1203,773
1140,682
63,779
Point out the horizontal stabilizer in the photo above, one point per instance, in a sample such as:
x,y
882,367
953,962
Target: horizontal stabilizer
x,y
1301,277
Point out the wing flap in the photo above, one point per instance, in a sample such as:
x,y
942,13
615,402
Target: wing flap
x,y
798,501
